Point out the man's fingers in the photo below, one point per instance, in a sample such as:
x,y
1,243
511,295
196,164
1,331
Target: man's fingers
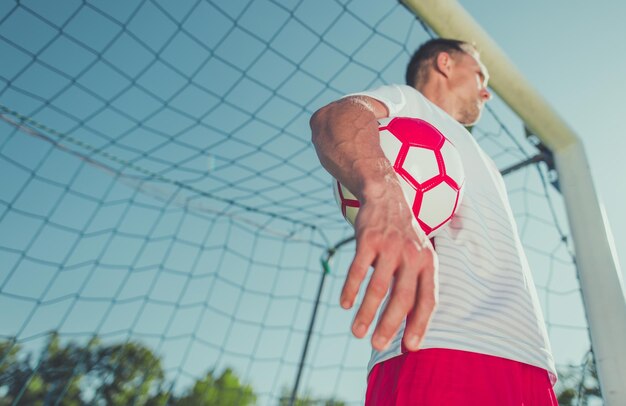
x,y
363,258
400,303
376,290
397,253
427,298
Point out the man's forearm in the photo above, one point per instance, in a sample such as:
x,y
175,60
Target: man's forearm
x,y
345,135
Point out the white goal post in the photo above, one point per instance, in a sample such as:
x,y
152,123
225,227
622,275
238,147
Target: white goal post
x,y
598,268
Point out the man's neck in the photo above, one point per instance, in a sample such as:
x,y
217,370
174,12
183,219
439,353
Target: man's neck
x,y
435,92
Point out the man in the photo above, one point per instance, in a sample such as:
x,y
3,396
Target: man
x,y
468,323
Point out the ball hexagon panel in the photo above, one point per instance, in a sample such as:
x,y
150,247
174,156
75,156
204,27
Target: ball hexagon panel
x,y
453,167
409,191
390,145
419,165
349,203
437,205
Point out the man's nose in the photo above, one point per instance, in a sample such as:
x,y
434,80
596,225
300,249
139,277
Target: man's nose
x,y
485,94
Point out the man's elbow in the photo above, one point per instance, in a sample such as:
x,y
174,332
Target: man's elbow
x,y
328,117
318,121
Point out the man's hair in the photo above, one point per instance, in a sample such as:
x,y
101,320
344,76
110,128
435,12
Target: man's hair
x,y
426,54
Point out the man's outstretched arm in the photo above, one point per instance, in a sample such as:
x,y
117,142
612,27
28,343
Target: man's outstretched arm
x,y
345,135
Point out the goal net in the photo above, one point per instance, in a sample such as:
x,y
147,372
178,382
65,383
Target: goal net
x,y
164,220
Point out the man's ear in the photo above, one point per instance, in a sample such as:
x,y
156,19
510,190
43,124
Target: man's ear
x,y
443,63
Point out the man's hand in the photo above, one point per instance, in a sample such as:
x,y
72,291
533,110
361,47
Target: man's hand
x,y
389,239
345,135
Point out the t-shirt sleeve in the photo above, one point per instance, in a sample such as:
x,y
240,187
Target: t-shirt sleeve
x,y
395,97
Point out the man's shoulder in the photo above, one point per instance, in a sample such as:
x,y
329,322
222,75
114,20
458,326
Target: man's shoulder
x,y
399,90
400,99
412,95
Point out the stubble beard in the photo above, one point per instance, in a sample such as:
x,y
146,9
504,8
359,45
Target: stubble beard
x,y
470,113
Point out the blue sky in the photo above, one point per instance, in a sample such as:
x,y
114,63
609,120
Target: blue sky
x,y
573,53
182,204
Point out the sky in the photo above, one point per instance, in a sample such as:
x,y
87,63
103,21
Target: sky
x,y
169,192
573,53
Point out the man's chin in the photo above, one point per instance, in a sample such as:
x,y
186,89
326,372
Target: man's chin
x,y
470,120
473,116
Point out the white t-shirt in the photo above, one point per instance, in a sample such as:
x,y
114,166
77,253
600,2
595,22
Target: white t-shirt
x,y
487,298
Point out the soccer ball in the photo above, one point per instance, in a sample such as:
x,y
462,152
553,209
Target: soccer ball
x,y
429,169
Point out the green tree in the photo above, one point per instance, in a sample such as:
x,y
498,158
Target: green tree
x,y
13,371
306,400
52,377
119,374
226,390
70,374
8,356
126,374
578,385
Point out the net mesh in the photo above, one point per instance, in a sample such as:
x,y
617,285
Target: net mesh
x,y
159,188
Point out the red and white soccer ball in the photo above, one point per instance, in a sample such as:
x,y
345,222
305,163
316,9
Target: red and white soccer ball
x,y
429,169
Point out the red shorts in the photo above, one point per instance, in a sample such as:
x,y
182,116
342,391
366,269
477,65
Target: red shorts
x,y
444,377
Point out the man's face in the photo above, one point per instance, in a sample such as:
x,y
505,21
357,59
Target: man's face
x,y
468,84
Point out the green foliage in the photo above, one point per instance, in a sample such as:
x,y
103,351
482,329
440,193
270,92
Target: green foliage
x,y
223,391
126,372
51,378
8,355
306,400
578,385
69,374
